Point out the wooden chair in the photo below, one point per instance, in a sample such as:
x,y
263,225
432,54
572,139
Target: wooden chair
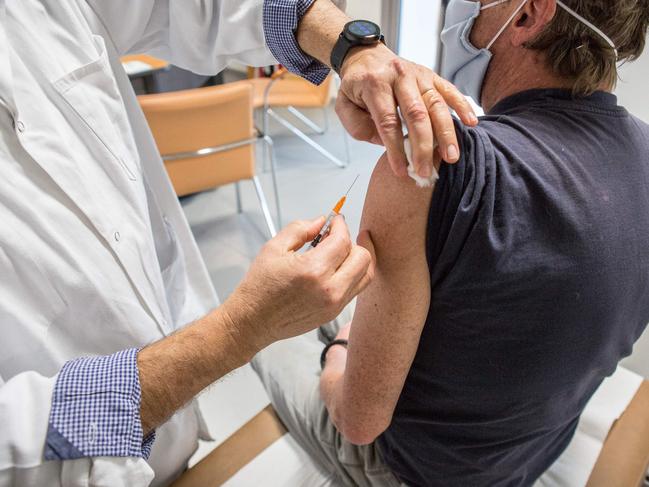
x,y
144,67
207,139
622,462
236,452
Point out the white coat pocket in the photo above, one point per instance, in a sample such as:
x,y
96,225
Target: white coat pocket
x,y
92,93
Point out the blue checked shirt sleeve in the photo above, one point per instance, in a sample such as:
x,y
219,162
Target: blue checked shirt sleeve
x,y
281,19
96,410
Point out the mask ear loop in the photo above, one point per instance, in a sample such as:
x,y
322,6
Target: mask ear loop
x,y
590,25
500,32
494,4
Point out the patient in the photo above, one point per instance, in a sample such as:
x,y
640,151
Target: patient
x,y
506,294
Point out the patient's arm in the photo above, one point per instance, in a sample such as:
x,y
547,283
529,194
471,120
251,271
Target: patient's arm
x,y
361,387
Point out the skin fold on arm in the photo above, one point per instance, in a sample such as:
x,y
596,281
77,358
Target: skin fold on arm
x,y
361,386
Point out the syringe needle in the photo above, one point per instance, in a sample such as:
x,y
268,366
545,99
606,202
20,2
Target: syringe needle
x,y
350,188
336,211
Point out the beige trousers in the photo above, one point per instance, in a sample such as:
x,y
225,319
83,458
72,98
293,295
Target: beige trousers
x,y
290,372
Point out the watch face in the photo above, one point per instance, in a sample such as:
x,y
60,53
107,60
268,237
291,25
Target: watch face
x,y
364,29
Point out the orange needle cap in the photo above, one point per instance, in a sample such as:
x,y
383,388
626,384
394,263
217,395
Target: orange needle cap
x,y
339,205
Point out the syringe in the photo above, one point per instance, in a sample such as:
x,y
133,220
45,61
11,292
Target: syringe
x,y
335,212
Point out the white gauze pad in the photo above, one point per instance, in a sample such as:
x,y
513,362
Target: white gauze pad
x,y
421,182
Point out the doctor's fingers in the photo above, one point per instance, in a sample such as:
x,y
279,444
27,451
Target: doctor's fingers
x,y
439,97
354,275
382,105
453,97
356,120
329,255
364,241
296,234
417,119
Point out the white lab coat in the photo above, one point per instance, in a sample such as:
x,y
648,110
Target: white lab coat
x,y
95,253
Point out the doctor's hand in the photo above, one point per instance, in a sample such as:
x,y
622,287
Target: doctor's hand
x,y
377,84
287,293
284,294
375,81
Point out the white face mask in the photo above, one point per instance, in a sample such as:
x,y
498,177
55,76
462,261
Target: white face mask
x,y
465,65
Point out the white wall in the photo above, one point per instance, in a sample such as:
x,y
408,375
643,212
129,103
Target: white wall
x,y
421,22
420,25
633,92
365,9
633,89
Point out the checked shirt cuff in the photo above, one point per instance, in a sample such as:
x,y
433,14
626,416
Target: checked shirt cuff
x,y
281,18
96,410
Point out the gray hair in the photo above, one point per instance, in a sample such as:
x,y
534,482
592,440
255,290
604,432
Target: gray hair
x,y
575,52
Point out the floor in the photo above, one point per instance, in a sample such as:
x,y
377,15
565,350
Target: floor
x,y
309,185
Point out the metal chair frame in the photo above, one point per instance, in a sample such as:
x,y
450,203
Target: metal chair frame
x,y
269,112
268,143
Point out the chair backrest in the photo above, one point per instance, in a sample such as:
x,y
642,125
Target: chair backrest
x,y
322,92
295,91
217,121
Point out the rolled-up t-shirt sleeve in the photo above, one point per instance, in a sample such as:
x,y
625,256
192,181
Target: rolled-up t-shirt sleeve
x,y
461,195
95,410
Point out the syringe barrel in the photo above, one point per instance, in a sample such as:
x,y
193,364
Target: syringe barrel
x,y
324,230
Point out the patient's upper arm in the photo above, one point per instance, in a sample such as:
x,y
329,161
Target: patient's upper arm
x,y
391,313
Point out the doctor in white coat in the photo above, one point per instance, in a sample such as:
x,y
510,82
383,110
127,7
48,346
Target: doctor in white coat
x,y
99,273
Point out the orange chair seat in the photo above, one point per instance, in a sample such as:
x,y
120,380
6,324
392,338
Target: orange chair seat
x,y
289,91
155,63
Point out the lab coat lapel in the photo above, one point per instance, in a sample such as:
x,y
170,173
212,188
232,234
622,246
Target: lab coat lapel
x,y
6,92
109,191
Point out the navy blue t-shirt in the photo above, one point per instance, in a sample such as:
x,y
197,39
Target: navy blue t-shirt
x,y
538,249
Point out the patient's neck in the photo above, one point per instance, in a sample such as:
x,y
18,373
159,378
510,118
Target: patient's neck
x,y
510,75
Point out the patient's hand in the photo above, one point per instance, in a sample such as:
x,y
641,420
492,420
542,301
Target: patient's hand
x,y
343,333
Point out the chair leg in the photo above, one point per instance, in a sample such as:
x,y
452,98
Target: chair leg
x,y
237,189
264,207
306,120
292,128
264,157
265,127
258,121
325,115
268,142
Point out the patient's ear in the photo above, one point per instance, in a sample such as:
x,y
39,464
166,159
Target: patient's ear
x,y
532,20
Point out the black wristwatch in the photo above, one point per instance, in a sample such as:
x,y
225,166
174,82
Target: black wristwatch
x,y
356,33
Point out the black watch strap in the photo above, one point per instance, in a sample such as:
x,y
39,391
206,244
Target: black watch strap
x,y
340,51
323,356
342,48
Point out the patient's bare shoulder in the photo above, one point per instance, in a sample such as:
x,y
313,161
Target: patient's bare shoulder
x,y
396,214
391,312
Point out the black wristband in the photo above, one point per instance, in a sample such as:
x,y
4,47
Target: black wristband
x,y
355,33
323,356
